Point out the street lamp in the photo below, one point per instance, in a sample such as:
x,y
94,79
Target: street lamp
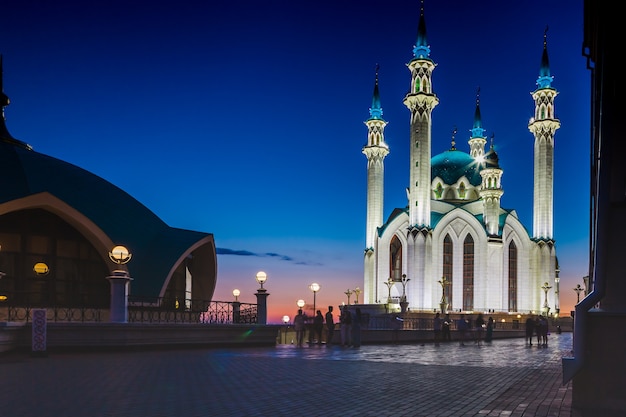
x,y
236,306
119,280
546,287
348,292
578,290
261,298
261,277
120,256
315,287
404,281
403,303
300,304
389,283
443,303
285,322
357,291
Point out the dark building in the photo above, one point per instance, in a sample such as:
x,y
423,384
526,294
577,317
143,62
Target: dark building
x,y
597,367
66,220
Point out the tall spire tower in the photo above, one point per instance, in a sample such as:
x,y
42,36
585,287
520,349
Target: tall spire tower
x,y
420,101
376,150
491,191
478,140
543,126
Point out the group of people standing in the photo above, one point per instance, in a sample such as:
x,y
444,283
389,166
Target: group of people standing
x,y
479,328
537,326
350,327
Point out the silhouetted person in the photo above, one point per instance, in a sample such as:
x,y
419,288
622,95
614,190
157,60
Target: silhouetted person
x,y
330,326
538,331
489,333
543,331
462,327
445,329
479,328
318,326
530,330
299,326
437,323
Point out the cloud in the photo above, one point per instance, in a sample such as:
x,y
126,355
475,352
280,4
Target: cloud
x,y
225,251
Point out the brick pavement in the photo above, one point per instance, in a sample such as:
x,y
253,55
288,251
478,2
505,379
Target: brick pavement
x,y
503,378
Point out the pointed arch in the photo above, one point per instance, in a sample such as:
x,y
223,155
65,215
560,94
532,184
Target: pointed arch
x,y
512,268
395,258
468,273
447,265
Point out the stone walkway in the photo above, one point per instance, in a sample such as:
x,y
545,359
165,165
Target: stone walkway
x,y
501,378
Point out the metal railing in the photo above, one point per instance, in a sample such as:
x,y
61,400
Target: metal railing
x,y
144,310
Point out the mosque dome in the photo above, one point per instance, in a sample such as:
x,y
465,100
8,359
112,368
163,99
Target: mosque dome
x,y
453,164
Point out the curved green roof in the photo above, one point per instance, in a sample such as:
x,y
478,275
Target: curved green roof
x,y
156,247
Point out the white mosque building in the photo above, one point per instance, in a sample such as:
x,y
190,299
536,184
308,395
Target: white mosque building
x,y
453,247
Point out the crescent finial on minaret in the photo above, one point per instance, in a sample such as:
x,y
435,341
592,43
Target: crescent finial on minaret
x,y
454,131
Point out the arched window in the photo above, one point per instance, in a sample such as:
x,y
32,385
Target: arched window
x,y
468,273
512,276
417,84
395,259
462,190
438,191
447,267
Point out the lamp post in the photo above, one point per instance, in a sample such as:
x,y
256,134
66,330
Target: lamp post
x,y
443,303
403,302
300,304
261,298
348,292
557,305
236,306
546,287
261,277
357,291
315,287
578,290
119,280
389,283
286,323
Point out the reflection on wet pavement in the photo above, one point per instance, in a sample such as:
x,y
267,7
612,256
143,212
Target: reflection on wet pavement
x,y
500,352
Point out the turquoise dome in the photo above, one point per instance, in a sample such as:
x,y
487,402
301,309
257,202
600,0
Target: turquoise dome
x,y
454,164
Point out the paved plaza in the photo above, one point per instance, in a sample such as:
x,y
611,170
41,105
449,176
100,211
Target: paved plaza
x,y
501,378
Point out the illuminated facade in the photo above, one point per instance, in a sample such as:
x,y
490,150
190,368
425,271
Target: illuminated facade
x,y
453,226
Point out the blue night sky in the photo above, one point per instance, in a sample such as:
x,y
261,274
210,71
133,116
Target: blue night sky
x,y
245,118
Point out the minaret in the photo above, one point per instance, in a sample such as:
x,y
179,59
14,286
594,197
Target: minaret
x,y
491,190
420,101
5,136
477,140
543,125
376,150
